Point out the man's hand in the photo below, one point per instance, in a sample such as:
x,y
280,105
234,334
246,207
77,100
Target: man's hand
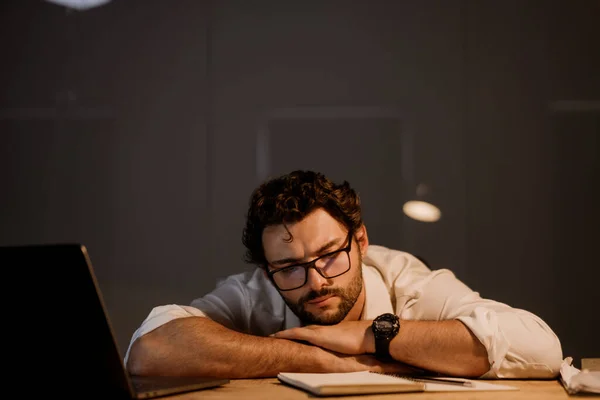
x,y
347,337
366,362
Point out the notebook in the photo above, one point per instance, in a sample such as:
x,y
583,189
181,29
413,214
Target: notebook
x,y
365,382
60,332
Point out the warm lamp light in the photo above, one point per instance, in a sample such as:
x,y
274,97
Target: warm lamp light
x,y
79,4
419,208
421,211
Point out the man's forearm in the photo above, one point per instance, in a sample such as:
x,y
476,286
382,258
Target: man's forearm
x,y
199,346
447,347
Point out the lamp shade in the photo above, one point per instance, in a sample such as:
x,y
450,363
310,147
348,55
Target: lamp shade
x,y
420,208
421,211
80,5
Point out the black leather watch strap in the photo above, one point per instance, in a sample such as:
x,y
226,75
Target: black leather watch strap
x,y
385,327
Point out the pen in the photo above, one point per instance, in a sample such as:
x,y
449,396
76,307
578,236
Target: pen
x,y
448,381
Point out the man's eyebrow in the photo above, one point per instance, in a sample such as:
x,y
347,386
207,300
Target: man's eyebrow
x,y
290,260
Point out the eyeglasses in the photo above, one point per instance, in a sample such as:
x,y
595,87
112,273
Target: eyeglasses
x,y
331,265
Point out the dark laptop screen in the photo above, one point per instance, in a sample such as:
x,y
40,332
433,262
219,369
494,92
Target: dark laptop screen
x,y
59,327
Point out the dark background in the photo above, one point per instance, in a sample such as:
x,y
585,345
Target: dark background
x,y
140,128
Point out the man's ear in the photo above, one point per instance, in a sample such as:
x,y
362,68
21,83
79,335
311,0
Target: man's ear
x,y
362,238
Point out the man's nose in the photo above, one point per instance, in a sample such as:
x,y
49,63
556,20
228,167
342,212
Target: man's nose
x,y
315,280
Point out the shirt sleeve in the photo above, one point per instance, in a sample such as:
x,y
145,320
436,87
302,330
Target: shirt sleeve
x,y
519,344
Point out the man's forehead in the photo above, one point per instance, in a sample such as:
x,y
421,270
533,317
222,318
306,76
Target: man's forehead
x,y
280,236
301,237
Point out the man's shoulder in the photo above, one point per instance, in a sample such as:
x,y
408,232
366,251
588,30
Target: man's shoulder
x,y
253,285
261,300
392,263
388,257
253,278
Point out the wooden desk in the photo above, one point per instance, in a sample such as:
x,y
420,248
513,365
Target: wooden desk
x,y
255,389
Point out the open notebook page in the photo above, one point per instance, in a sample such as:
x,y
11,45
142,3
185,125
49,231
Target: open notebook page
x,y
370,382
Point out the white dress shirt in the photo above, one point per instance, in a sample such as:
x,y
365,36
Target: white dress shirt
x,y
519,344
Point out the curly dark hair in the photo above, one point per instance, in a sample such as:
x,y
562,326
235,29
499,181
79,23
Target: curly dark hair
x,y
288,199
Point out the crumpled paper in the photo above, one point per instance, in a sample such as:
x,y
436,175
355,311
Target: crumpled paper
x,y
577,381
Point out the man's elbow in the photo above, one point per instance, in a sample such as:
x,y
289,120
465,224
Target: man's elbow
x,y
138,361
475,369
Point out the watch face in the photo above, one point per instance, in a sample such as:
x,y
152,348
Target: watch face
x,y
385,326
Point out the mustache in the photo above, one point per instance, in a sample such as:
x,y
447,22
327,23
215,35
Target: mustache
x,y
323,292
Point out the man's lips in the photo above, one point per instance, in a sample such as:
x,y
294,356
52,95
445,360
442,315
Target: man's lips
x,y
319,300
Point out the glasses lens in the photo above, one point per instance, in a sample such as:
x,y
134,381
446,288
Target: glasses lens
x,y
334,264
329,266
289,278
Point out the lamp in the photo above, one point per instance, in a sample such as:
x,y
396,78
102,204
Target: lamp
x,y
80,5
419,208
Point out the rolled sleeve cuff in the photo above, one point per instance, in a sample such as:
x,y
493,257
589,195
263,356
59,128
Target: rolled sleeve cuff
x,y
484,325
519,346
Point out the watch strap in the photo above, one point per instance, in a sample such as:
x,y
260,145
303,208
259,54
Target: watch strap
x,y
383,336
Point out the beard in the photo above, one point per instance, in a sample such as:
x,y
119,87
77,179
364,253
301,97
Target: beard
x,y
348,297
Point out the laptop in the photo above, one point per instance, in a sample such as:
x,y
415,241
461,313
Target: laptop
x,y
60,330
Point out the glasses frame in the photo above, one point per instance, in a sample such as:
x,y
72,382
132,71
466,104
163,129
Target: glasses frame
x,y
313,264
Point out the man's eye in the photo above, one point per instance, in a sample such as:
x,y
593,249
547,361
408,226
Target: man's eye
x,y
289,271
330,257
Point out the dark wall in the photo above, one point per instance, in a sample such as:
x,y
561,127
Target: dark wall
x,y
533,115
103,141
139,128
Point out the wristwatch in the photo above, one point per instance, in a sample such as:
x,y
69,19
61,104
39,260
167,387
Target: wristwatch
x,y
385,327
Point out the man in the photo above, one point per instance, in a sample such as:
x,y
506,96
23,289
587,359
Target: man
x,y
323,300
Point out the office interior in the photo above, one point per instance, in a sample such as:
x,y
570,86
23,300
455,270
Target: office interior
x,y
139,128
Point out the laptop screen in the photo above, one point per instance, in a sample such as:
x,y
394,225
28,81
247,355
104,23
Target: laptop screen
x,y
62,331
